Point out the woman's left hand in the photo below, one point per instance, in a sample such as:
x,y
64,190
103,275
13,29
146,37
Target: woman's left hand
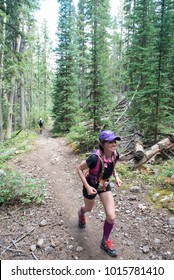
x,y
118,181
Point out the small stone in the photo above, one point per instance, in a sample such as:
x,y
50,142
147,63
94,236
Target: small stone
x,y
70,247
33,247
145,249
112,185
48,250
170,221
43,223
61,222
132,198
155,196
142,207
166,198
135,189
79,249
2,173
40,242
128,211
157,241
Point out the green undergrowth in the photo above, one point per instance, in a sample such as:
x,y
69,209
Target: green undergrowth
x,y
19,144
15,187
156,179
81,139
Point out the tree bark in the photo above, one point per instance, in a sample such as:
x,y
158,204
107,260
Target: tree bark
x,y
12,90
3,31
139,149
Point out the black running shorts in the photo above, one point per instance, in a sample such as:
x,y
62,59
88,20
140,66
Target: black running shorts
x,y
86,195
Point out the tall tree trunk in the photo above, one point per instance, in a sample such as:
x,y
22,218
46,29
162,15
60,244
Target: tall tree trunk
x,y
22,102
10,109
1,71
160,67
94,58
31,88
45,80
12,91
22,90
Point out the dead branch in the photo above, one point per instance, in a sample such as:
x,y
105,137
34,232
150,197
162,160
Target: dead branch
x,y
18,240
10,249
16,134
5,218
34,256
126,155
125,110
4,210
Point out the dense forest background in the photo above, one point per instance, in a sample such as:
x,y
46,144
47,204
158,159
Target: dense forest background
x,y
110,73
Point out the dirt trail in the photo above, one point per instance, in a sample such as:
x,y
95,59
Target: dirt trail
x,y
140,232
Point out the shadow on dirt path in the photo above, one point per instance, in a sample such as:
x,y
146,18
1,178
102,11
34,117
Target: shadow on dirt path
x,y
50,231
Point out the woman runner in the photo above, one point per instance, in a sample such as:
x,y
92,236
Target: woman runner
x,y
93,184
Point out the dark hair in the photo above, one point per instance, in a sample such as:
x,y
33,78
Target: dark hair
x,y
101,146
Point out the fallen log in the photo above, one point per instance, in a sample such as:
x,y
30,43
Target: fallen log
x,y
170,136
156,149
139,151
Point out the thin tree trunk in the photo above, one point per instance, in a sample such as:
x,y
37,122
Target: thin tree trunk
x,y
1,71
22,90
160,67
22,103
10,109
11,93
30,88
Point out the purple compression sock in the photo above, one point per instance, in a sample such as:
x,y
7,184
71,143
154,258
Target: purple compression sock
x,y
81,211
107,229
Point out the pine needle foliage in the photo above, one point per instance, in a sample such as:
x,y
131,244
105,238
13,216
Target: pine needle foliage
x,y
94,33
65,95
149,62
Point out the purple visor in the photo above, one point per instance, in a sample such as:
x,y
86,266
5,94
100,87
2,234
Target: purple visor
x,y
108,135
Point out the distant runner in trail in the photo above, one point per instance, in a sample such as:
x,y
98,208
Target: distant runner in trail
x,y
41,123
101,166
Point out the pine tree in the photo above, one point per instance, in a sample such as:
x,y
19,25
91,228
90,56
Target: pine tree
x,y
148,49
65,96
95,59
82,39
116,57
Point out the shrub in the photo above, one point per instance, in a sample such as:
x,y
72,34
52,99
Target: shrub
x,y
15,187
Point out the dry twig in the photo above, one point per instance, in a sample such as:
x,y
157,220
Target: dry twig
x,y
16,241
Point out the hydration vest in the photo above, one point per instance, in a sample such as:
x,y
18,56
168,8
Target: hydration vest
x,y
96,173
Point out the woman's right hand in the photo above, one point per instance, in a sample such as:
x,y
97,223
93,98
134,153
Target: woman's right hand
x,y
91,190
80,170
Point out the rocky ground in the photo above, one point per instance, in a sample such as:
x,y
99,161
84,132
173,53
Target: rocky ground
x,y
50,231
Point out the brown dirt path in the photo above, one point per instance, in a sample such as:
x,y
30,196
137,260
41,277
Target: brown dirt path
x,y
141,232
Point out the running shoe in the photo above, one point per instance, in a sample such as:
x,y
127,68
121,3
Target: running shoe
x,y
107,246
82,220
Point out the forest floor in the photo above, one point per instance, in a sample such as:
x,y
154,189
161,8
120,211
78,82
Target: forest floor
x,y
50,231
